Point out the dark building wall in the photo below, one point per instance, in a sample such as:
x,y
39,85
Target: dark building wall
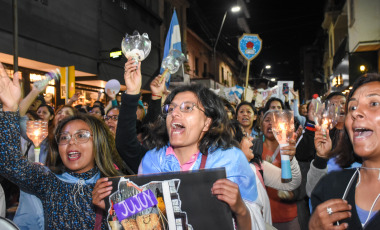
x,y
81,33
61,33
114,23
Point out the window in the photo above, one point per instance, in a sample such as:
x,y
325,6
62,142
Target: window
x,y
196,66
204,69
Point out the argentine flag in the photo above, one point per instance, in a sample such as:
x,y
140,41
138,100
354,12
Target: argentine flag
x,y
173,41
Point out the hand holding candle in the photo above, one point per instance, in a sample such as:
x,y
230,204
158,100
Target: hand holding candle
x,y
37,131
325,116
283,130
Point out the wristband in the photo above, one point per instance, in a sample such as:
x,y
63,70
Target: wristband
x,y
311,128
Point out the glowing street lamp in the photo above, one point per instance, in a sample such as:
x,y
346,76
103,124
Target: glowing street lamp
x,y
362,68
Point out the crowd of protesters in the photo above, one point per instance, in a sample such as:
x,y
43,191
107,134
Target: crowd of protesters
x,y
192,128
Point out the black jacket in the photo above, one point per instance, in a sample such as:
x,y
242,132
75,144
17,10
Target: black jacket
x,y
332,186
127,144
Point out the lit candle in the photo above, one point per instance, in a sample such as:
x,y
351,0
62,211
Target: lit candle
x,y
325,124
281,127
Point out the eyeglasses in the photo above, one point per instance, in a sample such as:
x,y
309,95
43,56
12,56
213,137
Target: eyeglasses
x,y
114,117
80,137
185,107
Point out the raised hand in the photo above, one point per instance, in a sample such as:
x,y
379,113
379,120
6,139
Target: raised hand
x,y
157,87
102,188
132,77
328,213
322,142
10,91
294,93
111,94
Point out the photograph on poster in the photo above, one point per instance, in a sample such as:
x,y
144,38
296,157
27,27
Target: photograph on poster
x,y
176,200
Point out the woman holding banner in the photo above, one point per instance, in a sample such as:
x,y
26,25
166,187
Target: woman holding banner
x,y
193,132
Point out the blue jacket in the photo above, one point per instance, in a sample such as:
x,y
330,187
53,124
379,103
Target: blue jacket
x,y
233,160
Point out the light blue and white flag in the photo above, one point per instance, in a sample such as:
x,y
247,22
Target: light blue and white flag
x,y
173,41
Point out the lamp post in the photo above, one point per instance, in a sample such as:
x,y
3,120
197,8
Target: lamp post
x,y
234,10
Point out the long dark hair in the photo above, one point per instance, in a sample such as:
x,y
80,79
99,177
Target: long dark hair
x,y
267,105
103,146
51,111
344,151
219,134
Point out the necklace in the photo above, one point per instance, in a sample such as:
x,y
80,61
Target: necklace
x,y
363,167
377,197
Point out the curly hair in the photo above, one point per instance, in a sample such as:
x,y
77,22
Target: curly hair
x,y
219,134
103,145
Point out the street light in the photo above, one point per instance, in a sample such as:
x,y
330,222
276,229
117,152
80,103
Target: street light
x,y
234,9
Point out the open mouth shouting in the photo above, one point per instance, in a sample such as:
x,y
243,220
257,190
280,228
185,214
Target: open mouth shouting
x,y
361,133
73,155
177,128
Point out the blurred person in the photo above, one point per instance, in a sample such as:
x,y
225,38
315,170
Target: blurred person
x,y
140,112
111,119
61,113
283,208
46,113
97,111
246,115
146,105
274,104
349,199
229,109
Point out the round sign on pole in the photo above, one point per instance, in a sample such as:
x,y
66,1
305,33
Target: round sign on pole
x,y
250,46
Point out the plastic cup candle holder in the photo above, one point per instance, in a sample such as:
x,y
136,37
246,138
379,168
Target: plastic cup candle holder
x,y
283,130
37,131
136,46
171,63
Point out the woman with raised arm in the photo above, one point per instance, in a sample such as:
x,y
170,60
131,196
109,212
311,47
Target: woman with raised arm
x,y
85,150
349,199
194,126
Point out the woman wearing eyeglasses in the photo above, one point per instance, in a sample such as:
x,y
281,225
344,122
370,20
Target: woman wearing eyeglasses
x,y
194,125
85,153
111,119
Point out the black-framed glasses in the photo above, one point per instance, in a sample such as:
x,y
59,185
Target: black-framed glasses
x,y
113,117
185,107
80,137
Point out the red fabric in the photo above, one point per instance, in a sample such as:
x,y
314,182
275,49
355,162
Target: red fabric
x,y
281,211
98,218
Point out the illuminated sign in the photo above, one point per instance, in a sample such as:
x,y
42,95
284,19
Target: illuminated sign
x,y
337,81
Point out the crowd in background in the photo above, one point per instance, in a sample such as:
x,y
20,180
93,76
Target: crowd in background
x,y
192,128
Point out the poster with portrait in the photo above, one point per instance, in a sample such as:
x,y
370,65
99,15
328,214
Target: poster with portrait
x,y
174,201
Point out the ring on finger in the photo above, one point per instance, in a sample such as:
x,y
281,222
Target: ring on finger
x,y
329,211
